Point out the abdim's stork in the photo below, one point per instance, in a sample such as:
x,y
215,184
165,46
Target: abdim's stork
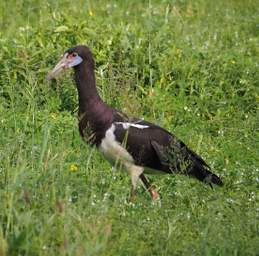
x,y
141,147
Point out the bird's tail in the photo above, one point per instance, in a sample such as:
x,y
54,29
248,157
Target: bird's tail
x,y
202,173
177,157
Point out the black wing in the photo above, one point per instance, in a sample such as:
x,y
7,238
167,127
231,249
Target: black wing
x,y
154,147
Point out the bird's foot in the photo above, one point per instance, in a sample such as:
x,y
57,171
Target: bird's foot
x,y
153,193
132,198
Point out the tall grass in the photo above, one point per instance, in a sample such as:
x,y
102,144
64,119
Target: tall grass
x,y
189,66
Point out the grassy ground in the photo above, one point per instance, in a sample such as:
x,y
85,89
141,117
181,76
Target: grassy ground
x,y
189,66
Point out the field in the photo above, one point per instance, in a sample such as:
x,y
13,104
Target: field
x,y
189,66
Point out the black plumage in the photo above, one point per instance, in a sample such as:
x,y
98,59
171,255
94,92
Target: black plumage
x,y
160,150
140,145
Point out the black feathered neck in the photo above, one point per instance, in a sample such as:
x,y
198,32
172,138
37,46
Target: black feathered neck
x,y
93,112
86,85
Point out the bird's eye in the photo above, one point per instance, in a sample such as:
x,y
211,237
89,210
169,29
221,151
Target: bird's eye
x,y
74,54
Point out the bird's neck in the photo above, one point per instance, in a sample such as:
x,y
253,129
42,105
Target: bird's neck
x,y
91,107
86,87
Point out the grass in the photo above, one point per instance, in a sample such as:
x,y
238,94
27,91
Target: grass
x,y
189,66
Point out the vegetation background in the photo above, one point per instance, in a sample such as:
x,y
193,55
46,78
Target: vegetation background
x,y
189,66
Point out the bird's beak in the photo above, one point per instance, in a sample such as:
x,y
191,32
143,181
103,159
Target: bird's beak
x,y
67,61
63,64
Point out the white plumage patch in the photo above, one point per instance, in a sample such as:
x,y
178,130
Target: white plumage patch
x,y
126,126
112,149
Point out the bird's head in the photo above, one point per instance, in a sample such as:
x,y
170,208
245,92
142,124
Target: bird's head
x,y
72,57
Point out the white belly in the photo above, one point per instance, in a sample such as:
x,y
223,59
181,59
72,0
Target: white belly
x,y
113,150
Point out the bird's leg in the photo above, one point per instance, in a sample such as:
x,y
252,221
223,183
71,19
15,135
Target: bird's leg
x,y
135,171
132,194
150,188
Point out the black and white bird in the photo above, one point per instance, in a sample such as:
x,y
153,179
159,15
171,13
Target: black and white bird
x,y
140,146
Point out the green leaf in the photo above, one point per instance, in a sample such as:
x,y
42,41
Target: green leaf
x,y
61,29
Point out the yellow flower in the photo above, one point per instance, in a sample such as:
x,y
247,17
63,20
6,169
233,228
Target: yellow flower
x,y
73,168
91,13
53,115
151,92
